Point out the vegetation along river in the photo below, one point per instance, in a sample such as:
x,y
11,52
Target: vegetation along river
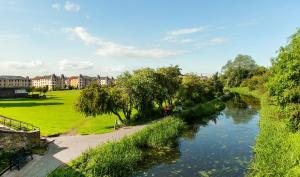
x,y
219,145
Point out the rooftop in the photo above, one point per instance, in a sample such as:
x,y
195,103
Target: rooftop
x,y
12,77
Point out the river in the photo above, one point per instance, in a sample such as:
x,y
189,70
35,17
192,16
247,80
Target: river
x,y
219,145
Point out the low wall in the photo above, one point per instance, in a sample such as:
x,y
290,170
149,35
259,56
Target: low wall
x,y
15,140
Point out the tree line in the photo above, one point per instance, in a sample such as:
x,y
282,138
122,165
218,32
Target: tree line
x,y
281,81
148,91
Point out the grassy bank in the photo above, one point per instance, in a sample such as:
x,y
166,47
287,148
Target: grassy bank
x,y
122,157
277,149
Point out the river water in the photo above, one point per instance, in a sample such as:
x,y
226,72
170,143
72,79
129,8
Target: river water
x,y
219,145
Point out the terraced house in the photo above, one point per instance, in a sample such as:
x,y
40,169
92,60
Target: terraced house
x,y
53,82
81,81
14,82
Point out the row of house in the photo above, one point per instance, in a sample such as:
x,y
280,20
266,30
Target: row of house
x,y
53,82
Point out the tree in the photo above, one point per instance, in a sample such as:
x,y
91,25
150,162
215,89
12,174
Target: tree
x,y
217,85
145,89
45,89
191,90
284,85
170,80
30,89
95,100
242,67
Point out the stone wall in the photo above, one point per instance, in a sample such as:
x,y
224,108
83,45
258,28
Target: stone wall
x,y
15,140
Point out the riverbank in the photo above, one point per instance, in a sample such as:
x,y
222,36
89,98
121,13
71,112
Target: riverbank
x,y
121,158
277,149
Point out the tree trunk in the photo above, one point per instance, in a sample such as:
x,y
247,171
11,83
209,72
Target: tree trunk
x,y
119,117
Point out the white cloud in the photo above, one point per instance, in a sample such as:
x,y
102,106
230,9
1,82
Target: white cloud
x,y
16,65
111,49
116,50
212,42
66,64
184,31
176,35
56,6
218,40
71,7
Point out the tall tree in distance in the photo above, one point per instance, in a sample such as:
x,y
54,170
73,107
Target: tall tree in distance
x,y
242,67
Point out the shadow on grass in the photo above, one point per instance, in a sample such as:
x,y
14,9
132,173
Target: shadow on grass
x,y
28,104
31,99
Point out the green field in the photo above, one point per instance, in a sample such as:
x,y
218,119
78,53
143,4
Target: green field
x,y
56,114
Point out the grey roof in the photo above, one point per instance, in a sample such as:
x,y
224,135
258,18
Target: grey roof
x,y
12,77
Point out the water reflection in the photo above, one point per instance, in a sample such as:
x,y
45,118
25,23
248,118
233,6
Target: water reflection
x,y
219,145
241,109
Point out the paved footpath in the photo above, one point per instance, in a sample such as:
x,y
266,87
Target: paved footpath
x,y
66,148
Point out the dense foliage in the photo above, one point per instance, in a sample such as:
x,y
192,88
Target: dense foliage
x,y
284,85
242,67
277,149
147,91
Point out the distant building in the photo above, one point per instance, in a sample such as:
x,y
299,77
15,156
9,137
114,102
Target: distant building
x,y
14,82
105,80
53,82
80,82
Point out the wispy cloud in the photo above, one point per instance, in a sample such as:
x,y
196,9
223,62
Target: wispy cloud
x,y
66,64
212,42
56,6
184,31
68,6
17,65
218,40
72,7
111,49
177,36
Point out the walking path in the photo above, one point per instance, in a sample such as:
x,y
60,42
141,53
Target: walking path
x,y
66,148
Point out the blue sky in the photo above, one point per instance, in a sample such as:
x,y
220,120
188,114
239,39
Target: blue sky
x,y
109,37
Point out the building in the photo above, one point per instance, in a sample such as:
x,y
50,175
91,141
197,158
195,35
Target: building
x,y
14,82
105,80
80,82
13,93
53,82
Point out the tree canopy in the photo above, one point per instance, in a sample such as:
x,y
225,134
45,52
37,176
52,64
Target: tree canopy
x,y
284,85
242,67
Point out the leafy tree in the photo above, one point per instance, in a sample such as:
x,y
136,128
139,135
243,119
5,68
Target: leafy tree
x,y
191,90
217,85
242,67
30,89
284,85
95,100
145,89
170,80
257,82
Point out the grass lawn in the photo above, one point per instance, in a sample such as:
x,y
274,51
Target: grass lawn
x,y
56,114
